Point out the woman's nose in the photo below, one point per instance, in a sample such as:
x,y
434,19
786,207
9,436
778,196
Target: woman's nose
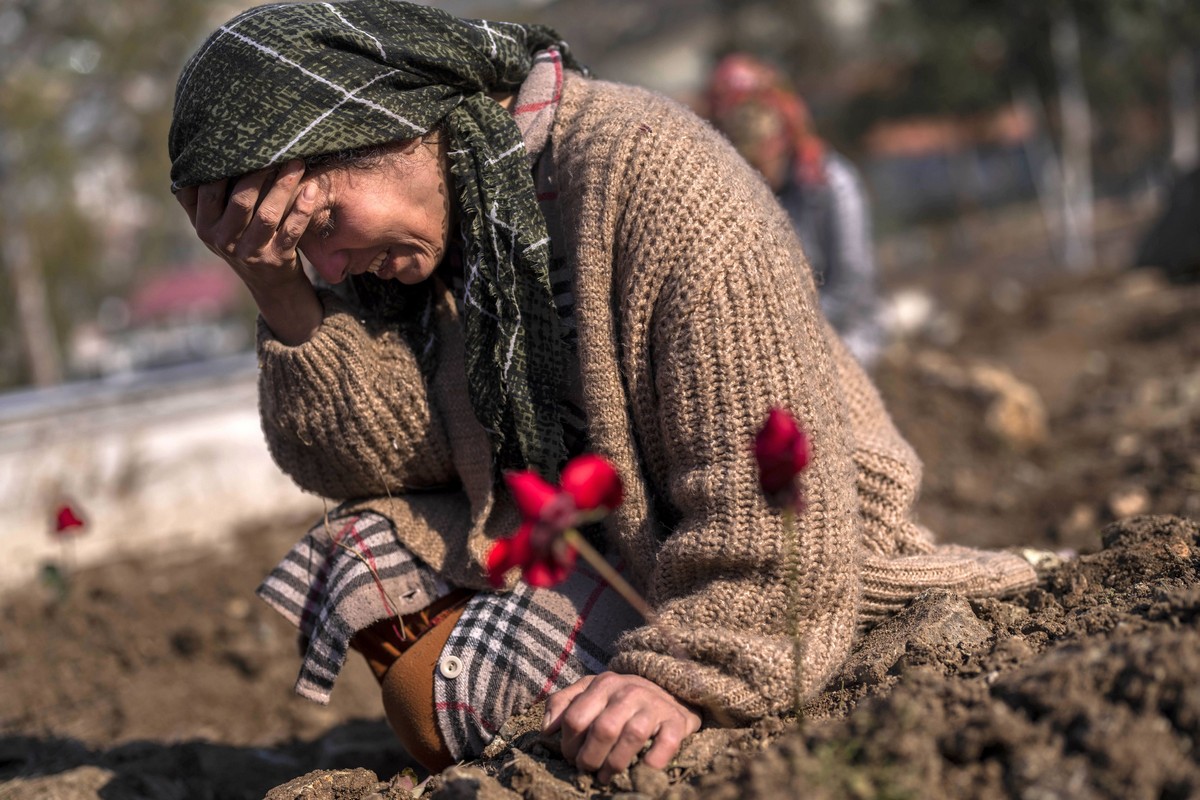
x,y
331,264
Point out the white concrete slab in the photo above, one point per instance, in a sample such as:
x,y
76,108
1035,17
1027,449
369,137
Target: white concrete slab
x,y
170,459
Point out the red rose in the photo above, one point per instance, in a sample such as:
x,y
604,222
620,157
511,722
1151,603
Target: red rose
x,y
781,449
589,489
67,522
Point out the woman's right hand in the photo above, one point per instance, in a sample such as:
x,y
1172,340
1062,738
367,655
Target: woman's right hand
x,y
255,231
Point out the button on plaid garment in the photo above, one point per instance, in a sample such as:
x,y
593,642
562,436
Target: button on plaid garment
x,y
517,648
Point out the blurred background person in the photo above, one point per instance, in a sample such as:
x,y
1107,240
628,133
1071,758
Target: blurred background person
x,y
751,103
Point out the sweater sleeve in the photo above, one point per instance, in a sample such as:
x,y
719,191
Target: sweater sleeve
x,y
347,414
753,614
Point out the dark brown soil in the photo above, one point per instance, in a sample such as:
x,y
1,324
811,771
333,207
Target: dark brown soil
x,y
171,680
156,680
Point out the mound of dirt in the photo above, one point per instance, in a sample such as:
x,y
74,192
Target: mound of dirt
x,y
1108,364
1082,687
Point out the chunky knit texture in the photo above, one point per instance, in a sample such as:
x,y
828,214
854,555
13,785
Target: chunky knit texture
x,y
696,313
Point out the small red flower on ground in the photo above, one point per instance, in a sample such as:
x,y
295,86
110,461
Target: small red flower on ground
x,y
781,449
589,489
67,522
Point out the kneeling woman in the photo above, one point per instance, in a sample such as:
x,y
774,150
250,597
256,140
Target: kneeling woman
x,y
515,263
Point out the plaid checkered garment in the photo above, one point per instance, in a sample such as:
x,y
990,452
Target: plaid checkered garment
x,y
297,80
517,648
346,573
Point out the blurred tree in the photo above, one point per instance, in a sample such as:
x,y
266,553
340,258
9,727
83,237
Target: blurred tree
x,y
1177,35
1081,59
1075,121
85,102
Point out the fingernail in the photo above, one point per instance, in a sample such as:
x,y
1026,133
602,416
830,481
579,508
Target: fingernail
x,y
310,191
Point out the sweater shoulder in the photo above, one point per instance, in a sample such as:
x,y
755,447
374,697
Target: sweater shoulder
x,y
601,120
629,139
592,103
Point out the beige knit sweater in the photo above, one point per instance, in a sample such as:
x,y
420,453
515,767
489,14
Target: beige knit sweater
x,y
696,313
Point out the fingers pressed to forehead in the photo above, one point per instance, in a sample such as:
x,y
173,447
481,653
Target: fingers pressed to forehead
x,y
187,197
240,207
210,203
296,222
276,205
248,189
288,184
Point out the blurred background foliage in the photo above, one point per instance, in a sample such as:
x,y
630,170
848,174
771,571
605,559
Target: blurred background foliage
x,y
966,56
85,103
86,216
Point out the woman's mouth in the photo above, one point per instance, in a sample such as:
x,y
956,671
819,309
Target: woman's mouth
x,y
377,263
390,263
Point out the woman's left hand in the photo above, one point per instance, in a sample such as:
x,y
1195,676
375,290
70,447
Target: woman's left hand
x,y
607,719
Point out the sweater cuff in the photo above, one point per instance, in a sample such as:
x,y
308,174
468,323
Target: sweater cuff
x,y
890,582
346,413
732,679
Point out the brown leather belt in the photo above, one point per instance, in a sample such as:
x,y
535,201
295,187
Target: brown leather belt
x,y
382,642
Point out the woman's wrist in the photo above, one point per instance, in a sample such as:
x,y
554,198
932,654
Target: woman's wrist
x,y
292,310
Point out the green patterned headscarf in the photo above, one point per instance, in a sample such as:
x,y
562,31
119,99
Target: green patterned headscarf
x,y
296,80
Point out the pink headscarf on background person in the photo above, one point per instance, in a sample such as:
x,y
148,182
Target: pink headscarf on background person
x,y
739,81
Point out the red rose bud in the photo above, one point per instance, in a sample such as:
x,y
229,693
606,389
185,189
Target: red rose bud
x,y
67,522
541,566
505,554
530,492
781,450
546,572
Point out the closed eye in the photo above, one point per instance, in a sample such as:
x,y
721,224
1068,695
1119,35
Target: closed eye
x,y
323,224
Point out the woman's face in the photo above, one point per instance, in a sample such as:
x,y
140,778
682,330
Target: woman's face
x,y
391,219
760,135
